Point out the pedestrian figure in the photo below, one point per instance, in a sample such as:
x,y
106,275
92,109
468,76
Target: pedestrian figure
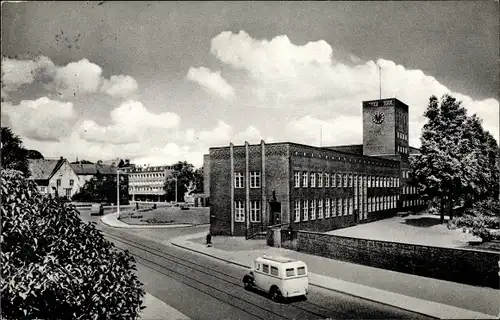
x,y
209,239
137,206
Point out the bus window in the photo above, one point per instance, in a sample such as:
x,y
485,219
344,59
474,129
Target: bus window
x,y
290,272
274,271
265,268
301,271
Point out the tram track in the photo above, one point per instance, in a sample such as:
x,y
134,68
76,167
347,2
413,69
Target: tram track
x,y
233,300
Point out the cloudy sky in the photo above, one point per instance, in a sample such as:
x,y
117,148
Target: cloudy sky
x,y
159,82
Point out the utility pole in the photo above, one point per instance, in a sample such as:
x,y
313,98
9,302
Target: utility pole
x,y
175,190
118,192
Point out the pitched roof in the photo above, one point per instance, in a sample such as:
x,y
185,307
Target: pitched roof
x,y
43,169
92,169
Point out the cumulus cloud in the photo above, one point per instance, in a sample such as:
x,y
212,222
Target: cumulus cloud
x,y
81,76
336,131
74,78
42,119
119,86
130,122
212,82
16,73
287,75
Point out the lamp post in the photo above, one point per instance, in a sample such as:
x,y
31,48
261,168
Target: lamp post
x,y
118,192
175,190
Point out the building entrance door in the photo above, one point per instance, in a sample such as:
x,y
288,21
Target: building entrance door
x,y
275,212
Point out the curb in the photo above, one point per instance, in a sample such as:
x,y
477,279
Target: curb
x,y
131,226
481,315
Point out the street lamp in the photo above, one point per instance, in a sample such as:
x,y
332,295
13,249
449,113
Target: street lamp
x,y
175,190
118,192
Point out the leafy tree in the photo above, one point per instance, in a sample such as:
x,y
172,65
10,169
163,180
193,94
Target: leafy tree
x,y
54,266
102,188
184,173
34,154
14,155
198,180
458,158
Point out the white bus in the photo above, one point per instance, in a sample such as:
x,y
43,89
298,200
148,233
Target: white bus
x,y
280,277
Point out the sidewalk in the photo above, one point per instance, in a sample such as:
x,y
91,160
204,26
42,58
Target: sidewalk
x,y
159,310
111,220
431,297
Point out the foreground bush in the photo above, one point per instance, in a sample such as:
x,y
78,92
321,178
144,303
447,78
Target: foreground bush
x,y
482,216
56,267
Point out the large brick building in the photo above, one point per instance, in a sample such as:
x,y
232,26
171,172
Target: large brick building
x,y
312,188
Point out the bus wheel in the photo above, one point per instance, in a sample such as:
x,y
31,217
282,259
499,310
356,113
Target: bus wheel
x,y
275,294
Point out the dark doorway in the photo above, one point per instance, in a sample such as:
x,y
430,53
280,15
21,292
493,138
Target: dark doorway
x,y
275,212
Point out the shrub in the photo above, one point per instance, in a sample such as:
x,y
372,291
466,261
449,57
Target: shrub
x,y
54,266
482,216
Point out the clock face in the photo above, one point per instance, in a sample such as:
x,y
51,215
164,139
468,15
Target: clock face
x,y
378,117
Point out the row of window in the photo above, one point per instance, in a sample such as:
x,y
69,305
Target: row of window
x,y
406,174
337,207
414,202
145,183
318,179
71,182
401,135
239,179
402,149
290,272
409,190
148,175
239,211
146,188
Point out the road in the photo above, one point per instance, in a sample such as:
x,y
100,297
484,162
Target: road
x,y
205,288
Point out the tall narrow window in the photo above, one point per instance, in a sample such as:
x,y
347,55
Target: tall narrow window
x,y
327,180
71,182
255,179
344,206
344,184
305,208
339,206
313,209
334,180
297,210
255,211
327,208
350,180
305,179
320,208
339,180
313,180
239,211
296,179
320,180
239,180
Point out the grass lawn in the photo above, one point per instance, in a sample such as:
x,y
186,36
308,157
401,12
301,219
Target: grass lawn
x,y
423,229
170,215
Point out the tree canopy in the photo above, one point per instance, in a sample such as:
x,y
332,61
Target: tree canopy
x,y
458,158
102,188
54,266
183,172
14,154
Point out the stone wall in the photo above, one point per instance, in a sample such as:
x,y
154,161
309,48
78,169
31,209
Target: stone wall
x,y
472,267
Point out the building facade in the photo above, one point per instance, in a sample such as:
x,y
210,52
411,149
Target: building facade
x,y
147,183
312,188
54,177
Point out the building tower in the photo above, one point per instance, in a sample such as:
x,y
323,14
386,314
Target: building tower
x,y
385,128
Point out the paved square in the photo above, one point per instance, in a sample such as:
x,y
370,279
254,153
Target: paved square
x,y
423,229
